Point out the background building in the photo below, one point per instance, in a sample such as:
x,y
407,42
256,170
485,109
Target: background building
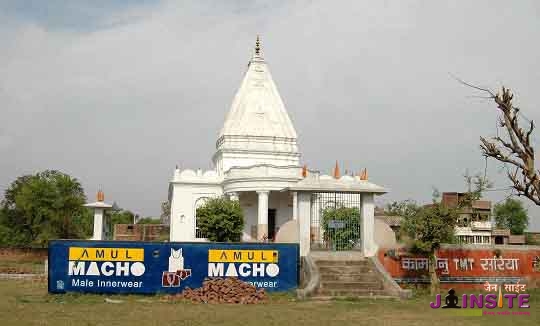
x,y
475,224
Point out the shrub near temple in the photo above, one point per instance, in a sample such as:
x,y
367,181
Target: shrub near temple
x,y
221,220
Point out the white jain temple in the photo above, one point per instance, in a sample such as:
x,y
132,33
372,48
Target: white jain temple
x,y
257,162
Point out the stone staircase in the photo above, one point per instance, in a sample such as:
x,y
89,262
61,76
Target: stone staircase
x,y
346,279
331,275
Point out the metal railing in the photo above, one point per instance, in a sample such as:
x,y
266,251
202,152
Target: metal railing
x,y
199,234
335,221
481,225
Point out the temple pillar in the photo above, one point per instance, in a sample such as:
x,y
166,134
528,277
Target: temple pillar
x,y
262,217
304,222
367,211
295,205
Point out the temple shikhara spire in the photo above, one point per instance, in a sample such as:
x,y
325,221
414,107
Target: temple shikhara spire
x,y
257,129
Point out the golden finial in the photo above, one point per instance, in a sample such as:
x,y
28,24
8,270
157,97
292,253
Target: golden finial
x,y
100,196
258,46
337,174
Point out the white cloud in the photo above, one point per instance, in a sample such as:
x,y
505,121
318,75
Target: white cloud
x,y
121,102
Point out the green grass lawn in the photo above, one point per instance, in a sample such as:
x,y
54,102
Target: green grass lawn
x,y
27,303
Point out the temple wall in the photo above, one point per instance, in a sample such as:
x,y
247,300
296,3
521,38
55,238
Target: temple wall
x,y
185,198
248,202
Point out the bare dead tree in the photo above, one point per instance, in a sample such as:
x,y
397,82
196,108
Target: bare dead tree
x,y
515,149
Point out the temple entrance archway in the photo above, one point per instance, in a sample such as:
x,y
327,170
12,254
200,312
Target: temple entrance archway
x,y
198,203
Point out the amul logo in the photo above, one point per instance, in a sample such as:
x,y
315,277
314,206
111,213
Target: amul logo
x,y
244,263
488,301
106,261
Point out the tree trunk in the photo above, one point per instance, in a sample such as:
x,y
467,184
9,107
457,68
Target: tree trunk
x,y
435,283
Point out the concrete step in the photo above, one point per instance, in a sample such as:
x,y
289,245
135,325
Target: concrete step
x,y
348,271
337,285
350,277
349,292
345,269
343,263
369,297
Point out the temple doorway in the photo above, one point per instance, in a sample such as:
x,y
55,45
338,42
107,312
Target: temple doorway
x,y
271,224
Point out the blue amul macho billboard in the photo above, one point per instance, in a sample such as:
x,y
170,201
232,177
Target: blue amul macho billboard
x,y
145,267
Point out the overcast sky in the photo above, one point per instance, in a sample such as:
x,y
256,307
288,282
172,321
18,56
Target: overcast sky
x,y
116,93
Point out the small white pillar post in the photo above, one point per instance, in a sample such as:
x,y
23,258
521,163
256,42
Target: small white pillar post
x,y
99,231
262,217
99,219
304,222
367,212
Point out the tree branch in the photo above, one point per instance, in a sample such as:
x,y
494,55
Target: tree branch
x,y
518,151
474,86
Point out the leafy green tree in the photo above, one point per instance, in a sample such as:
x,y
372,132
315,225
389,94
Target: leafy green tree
x,y
119,217
346,235
476,185
402,208
43,206
221,220
511,215
428,228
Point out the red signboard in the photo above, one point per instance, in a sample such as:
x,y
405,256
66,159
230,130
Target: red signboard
x,y
466,267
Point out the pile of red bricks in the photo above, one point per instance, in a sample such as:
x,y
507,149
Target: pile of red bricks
x,y
228,290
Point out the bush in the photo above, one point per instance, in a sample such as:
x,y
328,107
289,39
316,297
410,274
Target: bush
x,y
342,238
43,206
149,220
512,215
221,220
